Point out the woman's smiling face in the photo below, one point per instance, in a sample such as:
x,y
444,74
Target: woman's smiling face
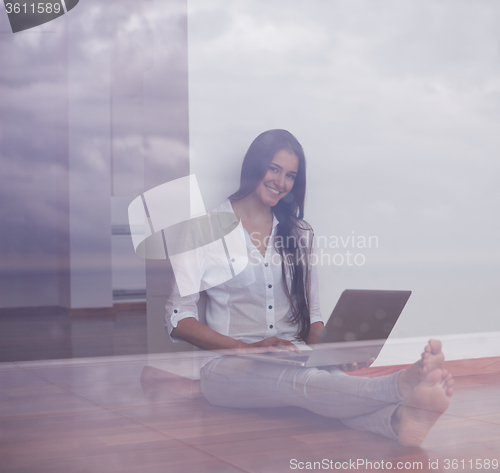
x,y
279,178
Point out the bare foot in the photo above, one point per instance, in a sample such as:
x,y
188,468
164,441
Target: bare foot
x,y
432,358
428,400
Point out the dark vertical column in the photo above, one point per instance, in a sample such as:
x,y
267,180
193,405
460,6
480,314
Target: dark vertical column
x,y
166,148
63,234
34,240
34,192
89,154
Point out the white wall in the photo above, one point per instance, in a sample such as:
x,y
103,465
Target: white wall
x,y
397,107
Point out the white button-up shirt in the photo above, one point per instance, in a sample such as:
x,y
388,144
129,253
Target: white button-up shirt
x,y
251,306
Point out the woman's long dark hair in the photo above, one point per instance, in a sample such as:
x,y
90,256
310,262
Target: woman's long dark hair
x,y
293,239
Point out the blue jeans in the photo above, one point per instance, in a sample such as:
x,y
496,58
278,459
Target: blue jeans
x,y
360,403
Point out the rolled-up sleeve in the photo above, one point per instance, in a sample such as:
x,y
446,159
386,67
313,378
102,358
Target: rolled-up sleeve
x,y
178,308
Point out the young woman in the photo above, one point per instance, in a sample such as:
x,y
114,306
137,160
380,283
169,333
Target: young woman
x,y
273,305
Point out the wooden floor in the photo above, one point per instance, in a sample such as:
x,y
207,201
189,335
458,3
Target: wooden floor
x,y
43,333
119,415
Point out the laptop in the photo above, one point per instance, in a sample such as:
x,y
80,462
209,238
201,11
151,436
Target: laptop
x,y
356,331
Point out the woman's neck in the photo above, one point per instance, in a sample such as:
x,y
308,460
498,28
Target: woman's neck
x,y
251,208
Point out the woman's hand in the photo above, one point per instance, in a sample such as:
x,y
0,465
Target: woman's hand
x,y
273,344
200,335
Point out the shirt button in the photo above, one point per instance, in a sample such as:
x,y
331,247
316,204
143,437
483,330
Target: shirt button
x,y
175,311
271,326
270,286
266,265
270,306
232,260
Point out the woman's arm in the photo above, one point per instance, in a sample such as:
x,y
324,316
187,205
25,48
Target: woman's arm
x,y
202,336
314,333
317,324
198,334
